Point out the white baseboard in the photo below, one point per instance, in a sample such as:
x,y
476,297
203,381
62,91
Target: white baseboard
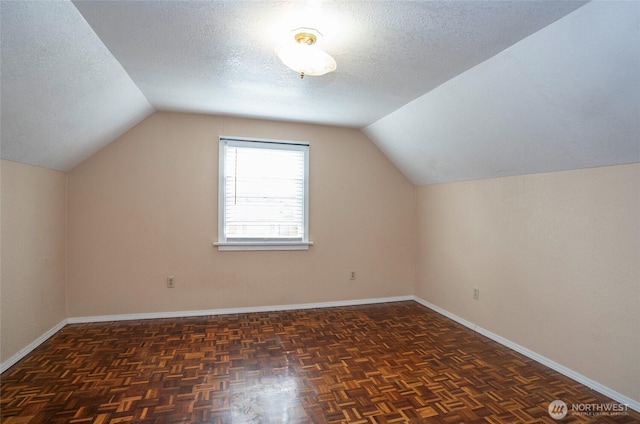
x,y
245,310
618,397
31,346
446,313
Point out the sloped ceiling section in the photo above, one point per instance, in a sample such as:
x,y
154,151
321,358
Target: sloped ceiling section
x,y
63,95
566,97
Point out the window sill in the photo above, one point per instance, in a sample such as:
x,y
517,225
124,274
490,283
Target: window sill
x,y
262,245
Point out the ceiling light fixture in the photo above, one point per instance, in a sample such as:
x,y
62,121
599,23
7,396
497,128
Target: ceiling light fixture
x,y
301,53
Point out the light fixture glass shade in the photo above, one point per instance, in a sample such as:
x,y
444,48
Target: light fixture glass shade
x,y
302,55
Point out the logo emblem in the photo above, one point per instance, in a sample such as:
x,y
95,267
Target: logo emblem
x,y
558,409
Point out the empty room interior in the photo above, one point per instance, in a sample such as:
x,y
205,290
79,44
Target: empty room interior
x,y
320,211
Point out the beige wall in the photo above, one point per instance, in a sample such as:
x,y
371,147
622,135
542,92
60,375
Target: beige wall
x,y
33,254
556,258
145,208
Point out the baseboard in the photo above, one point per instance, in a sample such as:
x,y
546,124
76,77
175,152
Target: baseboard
x,y
37,342
618,397
446,313
245,310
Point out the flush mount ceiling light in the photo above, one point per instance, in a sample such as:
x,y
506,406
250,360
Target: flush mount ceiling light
x,y
301,53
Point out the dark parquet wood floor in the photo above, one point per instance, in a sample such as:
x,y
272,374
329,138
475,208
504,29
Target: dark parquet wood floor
x,y
385,363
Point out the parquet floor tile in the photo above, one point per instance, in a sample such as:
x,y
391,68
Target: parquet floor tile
x,y
372,364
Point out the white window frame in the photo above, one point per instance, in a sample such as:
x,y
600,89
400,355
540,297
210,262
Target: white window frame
x,y
255,244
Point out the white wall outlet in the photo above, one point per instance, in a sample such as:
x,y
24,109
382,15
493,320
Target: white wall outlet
x,y
171,282
476,293
352,275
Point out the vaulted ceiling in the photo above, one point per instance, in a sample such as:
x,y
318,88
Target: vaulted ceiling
x,y
449,90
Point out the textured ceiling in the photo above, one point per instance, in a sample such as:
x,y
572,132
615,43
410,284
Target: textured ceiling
x,y
424,78
567,97
218,57
63,95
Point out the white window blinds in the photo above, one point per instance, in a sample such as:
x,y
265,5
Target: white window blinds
x,y
264,191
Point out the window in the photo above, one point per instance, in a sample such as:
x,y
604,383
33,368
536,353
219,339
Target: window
x,y
263,195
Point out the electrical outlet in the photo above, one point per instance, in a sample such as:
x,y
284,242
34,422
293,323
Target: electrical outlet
x,y
476,293
171,282
352,275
